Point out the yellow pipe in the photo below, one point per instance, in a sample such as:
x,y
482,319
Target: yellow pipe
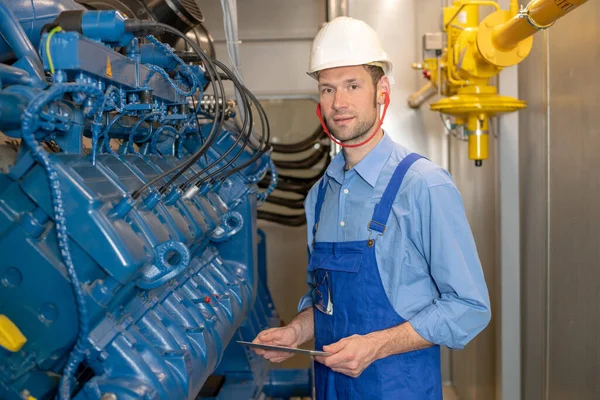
x,y
467,3
450,71
539,14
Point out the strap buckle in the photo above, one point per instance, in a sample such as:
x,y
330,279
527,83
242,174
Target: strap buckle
x,y
372,241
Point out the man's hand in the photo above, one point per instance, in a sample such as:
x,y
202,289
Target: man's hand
x,y
299,331
285,336
351,355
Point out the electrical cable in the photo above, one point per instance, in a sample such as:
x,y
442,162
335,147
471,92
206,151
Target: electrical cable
x,y
299,146
304,163
219,118
222,173
264,144
289,220
296,204
247,125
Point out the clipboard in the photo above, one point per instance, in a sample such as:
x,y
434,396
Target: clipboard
x,y
284,348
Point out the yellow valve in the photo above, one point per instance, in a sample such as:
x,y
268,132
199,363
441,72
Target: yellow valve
x,y
478,133
505,37
477,51
11,337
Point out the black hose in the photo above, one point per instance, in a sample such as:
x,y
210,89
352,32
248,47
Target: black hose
x,y
288,186
196,156
223,173
299,146
217,122
304,163
265,138
289,220
295,204
247,125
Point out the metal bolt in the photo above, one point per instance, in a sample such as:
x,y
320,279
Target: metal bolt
x,y
108,396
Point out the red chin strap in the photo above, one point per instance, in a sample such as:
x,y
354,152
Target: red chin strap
x,y
385,107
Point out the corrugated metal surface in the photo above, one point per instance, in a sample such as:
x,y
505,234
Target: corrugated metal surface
x,y
561,191
533,157
574,331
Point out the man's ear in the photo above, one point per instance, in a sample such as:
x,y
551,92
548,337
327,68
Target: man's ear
x,y
383,87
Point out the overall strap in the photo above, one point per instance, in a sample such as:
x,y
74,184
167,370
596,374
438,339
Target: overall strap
x,y
319,204
382,210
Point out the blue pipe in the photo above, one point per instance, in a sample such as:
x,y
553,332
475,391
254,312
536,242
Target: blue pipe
x,y
15,36
28,131
12,106
262,197
14,76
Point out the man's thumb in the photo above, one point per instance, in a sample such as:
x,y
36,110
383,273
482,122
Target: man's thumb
x,y
334,347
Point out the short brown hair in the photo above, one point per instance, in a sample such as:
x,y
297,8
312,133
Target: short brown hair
x,y
376,73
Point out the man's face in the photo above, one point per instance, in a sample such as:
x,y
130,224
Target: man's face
x,y
348,105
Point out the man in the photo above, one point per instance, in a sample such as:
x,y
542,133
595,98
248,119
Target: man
x,y
394,271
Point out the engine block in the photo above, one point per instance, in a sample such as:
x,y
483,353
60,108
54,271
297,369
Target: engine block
x,y
109,290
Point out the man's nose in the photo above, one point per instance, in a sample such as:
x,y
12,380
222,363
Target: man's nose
x,y
340,101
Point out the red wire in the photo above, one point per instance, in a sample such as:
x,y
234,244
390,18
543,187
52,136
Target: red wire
x,y
320,115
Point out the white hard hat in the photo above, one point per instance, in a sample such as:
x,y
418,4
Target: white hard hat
x,y
346,41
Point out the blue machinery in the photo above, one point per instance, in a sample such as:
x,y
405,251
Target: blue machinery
x,y
131,260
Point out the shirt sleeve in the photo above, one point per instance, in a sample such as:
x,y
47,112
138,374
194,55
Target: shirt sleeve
x,y
463,309
309,209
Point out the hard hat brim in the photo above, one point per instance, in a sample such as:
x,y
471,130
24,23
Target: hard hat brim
x,y
314,73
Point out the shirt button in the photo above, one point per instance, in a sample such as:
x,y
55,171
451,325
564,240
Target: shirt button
x,y
345,191
342,223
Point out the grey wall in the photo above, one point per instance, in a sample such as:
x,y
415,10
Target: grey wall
x,y
560,219
276,39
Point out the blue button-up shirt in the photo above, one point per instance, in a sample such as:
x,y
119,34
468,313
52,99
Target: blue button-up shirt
x,y
427,257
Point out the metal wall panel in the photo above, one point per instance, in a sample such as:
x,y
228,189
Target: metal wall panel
x,y
533,155
574,331
560,218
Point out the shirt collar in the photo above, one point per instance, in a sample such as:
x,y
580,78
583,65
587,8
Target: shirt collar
x,y
369,167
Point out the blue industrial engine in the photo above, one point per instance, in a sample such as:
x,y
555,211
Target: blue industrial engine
x,y
131,259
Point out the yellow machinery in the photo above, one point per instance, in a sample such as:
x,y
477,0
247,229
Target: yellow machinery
x,y
475,52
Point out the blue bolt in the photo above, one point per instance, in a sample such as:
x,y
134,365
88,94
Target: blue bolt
x,y
123,207
152,200
173,196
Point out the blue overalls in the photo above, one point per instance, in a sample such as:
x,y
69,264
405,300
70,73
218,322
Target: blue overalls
x,y
349,298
